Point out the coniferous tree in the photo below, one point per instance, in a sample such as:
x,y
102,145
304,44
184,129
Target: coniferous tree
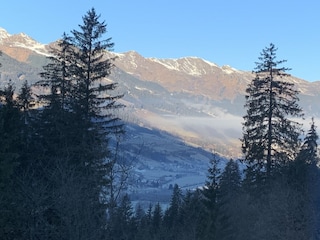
x,y
77,116
123,224
229,182
193,216
26,104
309,149
156,221
10,141
55,123
25,99
94,105
156,218
57,77
300,170
57,138
172,219
142,221
228,201
212,182
10,158
270,136
210,193
303,180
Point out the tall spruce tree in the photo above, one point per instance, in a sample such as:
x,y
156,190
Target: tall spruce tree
x,y
94,104
78,115
270,136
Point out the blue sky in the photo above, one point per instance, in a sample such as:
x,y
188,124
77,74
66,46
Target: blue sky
x,y
224,32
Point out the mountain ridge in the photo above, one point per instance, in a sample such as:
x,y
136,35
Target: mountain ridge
x,y
169,94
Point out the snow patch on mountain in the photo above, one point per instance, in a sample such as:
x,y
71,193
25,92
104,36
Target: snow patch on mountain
x,y
228,69
167,63
131,57
27,42
191,65
194,66
144,89
210,63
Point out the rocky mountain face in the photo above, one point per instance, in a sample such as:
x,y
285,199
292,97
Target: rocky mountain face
x,y
186,75
178,110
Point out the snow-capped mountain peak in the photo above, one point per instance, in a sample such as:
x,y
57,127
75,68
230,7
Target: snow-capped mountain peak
x,y
3,34
22,40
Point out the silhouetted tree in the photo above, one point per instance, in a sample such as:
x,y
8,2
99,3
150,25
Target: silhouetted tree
x,y
172,215
156,222
27,106
210,193
94,107
228,201
193,216
10,152
309,149
10,127
270,135
303,182
74,124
